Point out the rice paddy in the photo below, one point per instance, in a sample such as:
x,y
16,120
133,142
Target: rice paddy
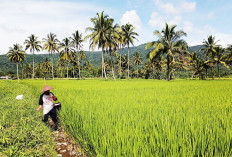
x,y
146,117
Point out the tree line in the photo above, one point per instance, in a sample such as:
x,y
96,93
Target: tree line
x,y
169,54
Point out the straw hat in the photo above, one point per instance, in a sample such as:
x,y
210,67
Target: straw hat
x,y
46,88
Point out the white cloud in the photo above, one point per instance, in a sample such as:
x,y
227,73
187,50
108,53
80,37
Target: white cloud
x,y
224,39
156,20
211,15
188,26
209,29
159,21
175,21
20,19
132,18
188,7
168,8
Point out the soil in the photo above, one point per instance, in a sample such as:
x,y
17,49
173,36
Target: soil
x,y
65,146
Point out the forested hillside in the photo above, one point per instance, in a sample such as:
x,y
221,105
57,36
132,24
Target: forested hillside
x,y
8,67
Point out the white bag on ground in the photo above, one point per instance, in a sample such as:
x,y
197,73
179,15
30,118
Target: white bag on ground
x,y
19,97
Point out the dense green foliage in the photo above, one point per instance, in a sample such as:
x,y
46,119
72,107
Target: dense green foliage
x,y
147,117
95,58
22,133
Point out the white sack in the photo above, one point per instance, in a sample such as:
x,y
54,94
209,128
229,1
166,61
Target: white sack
x,y
19,97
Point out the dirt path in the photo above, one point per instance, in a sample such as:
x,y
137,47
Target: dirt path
x,y
65,146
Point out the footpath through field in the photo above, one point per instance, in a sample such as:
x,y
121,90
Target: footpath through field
x,y
22,133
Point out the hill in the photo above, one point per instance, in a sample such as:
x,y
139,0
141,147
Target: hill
x,y
8,67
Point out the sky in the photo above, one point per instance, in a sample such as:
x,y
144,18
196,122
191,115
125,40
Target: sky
x,y
198,18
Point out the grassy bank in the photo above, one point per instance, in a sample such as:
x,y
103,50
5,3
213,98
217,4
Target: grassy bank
x,y
22,132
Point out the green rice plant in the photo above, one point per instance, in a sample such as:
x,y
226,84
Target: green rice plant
x,y
22,132
147,117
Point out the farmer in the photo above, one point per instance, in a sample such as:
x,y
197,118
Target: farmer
x,y
46,102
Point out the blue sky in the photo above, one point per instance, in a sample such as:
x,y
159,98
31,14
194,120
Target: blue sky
x,y
198,18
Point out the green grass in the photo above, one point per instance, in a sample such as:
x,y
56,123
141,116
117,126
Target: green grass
x,y
146,117
22,132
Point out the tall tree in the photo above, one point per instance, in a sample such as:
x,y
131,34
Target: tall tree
x,y
137,60
112,43
82,56
16,55
196,64
208,49
77,43
120,46
51,45
218,57
60,65
33,44
128,38
229,54
66,51
169,44
88,66
98,35
46,67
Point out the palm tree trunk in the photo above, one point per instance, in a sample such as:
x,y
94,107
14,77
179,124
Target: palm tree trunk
x,y
102,62
218,71
79,66
103,65
67,71
33,67
52,67
137,70
22,71
173,74
113,73
128,63
112,68
73,72
61,73
120,61
153,72
206,73
212,73
17,71
168,68
192,75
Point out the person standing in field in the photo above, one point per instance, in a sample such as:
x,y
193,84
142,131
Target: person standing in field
x,y
46,102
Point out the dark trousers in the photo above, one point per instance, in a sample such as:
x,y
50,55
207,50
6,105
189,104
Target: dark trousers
x,y
52,114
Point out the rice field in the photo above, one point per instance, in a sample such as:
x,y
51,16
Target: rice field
x,y
22,132
147,117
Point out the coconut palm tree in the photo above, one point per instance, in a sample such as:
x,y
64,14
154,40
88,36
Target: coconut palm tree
x,y
77,43
98,35
46,67
66,51
88,66
208,49
229,54
16,55
60,65
137,60
112,43
82,56
169,45
209,46
218,57
128,38
51,45
120,46
33,44
196,64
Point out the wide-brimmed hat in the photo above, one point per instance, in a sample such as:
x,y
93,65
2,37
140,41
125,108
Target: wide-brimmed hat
x,y
46,88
